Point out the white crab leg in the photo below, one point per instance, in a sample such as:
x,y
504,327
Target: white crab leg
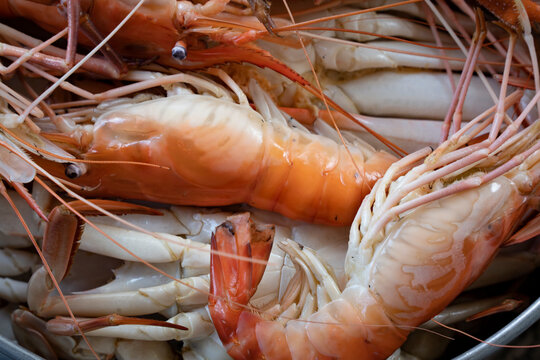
x,y
150,350
168,222
382,24
16,242
384,54
209,347
12,290
16,262
414,10
26,325
198,323
146,246
427,95
192,291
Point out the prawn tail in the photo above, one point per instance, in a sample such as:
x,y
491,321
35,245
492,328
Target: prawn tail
x,y
233,281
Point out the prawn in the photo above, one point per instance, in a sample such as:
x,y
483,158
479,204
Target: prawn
x,y
213,151
417,241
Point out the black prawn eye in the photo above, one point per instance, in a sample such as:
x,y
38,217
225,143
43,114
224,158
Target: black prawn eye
x,y
179,52
73,171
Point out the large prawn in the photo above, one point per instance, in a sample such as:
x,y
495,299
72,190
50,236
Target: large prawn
x,y
417,241
213,151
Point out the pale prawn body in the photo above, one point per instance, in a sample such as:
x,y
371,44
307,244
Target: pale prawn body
x,y
219,153
432,254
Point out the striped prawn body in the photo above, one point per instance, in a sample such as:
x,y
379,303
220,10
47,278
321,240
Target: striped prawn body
x,y
221,153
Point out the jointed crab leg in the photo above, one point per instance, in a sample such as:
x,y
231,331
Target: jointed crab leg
x,y
62,235
64,326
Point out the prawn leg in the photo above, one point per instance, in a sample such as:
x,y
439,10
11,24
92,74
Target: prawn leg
x,y
79,20
71,10
55,57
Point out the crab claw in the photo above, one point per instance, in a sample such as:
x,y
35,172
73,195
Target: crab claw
x,y
64,229
261,10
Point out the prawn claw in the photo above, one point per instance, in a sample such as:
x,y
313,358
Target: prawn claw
x,y
234,280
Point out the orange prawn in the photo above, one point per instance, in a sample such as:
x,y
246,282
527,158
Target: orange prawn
x,y
214,152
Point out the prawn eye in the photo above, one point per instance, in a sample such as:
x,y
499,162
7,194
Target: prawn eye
x,y
73,171
179,52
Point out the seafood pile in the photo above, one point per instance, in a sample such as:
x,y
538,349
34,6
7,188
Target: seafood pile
x,y
234,179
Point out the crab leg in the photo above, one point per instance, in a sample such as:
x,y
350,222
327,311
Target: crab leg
x,y
61,238
63,326
13,290
183,326
32,332
15,262
190,292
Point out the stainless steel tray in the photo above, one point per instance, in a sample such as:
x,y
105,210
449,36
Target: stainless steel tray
x,y
11,350
505,335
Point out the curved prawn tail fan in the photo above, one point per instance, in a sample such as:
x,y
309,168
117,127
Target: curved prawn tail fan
x,y
233,281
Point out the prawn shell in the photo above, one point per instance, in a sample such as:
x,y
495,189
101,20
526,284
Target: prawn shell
x,y
136,39
460,235
219,153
